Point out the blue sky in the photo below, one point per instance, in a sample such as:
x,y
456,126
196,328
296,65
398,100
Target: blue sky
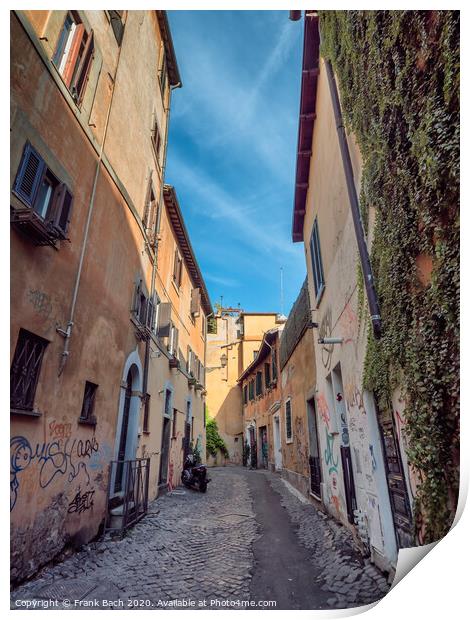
x,y
231,153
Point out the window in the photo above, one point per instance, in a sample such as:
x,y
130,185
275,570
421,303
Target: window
x,y
259,383
245,394
173,431
25,370
195,302
173,341
317,266
274,365
156,140
145,426
88,405
177,268
288,421
167,410
149,220
115,17
255,353
163,72
267,375
74,54
39,189
189,366
251,389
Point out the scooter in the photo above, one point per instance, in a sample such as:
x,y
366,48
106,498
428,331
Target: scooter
x,y
194,476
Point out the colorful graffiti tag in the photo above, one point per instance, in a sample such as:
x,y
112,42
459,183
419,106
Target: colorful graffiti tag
x,y
55,458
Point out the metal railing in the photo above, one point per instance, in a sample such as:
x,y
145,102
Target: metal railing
x,y
127,500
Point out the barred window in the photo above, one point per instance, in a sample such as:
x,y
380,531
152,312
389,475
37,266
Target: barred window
x,y
88,406
25,370
288,421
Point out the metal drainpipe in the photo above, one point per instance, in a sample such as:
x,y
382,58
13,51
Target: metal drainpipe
x,y
354,203
67,333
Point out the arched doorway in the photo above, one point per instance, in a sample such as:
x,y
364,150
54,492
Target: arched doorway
x,y
128,420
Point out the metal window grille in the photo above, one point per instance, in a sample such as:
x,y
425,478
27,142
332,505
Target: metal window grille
x,y
25,369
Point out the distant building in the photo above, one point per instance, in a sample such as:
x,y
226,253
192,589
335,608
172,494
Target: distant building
x,y
233,341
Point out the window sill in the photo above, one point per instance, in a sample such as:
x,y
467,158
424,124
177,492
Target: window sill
x,y
291,440
146,432
85,422
175,286
26,412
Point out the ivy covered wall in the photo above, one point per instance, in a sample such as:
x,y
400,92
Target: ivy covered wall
x,y
398,75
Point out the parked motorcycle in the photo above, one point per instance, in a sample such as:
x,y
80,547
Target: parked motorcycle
x,y
194,476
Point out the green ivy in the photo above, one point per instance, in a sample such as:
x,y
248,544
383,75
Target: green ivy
x,y
214,442
398,74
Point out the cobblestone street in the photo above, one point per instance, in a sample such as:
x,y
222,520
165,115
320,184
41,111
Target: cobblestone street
x,y
248,539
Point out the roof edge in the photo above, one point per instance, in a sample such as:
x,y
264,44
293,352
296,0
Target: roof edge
x,y
171,200
173,71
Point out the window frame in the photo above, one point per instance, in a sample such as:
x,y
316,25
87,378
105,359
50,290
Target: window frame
x,y
289,438
79,51
89,418
56,209
316,262
17,376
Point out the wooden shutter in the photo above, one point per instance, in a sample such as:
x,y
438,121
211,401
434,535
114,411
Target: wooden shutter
x,y
62,209
195,301
84,69
164,316
175,342
136,301
73,54
29,175
175,267
150,313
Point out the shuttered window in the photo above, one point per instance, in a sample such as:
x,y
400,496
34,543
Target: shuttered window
x,y
259,383
156,139
245,394
39,189
288,420
195,301
164,315
177,268
74,54
251,389
25,368
267,375
274,365
317,265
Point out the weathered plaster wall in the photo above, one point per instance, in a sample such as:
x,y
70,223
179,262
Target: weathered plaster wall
x,y
345,416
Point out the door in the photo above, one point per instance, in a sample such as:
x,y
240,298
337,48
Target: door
x,y
399,501
277,443
123,436
314,458
253,448
263,442
165,451
348,478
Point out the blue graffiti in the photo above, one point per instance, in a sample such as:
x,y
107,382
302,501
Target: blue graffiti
x,y
372,455
56,458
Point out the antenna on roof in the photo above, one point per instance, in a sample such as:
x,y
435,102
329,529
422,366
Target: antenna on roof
x,y
282,291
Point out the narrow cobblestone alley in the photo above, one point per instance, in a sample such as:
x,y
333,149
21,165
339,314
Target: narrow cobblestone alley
x,y
248,539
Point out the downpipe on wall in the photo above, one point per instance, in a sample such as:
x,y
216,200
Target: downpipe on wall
x,y
67,333
372,299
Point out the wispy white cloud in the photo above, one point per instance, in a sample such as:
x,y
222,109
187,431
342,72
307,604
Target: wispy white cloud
x,y
223,281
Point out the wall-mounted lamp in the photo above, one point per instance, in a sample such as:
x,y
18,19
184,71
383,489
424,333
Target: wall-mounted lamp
x,y
330,341
223,360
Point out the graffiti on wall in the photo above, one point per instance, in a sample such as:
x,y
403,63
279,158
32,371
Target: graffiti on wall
x,y
354,397
329,455
347,324
323,410
60,430
43,306
54,459
324,331
81,502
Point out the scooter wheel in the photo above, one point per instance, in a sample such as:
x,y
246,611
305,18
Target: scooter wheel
x,y
203,486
